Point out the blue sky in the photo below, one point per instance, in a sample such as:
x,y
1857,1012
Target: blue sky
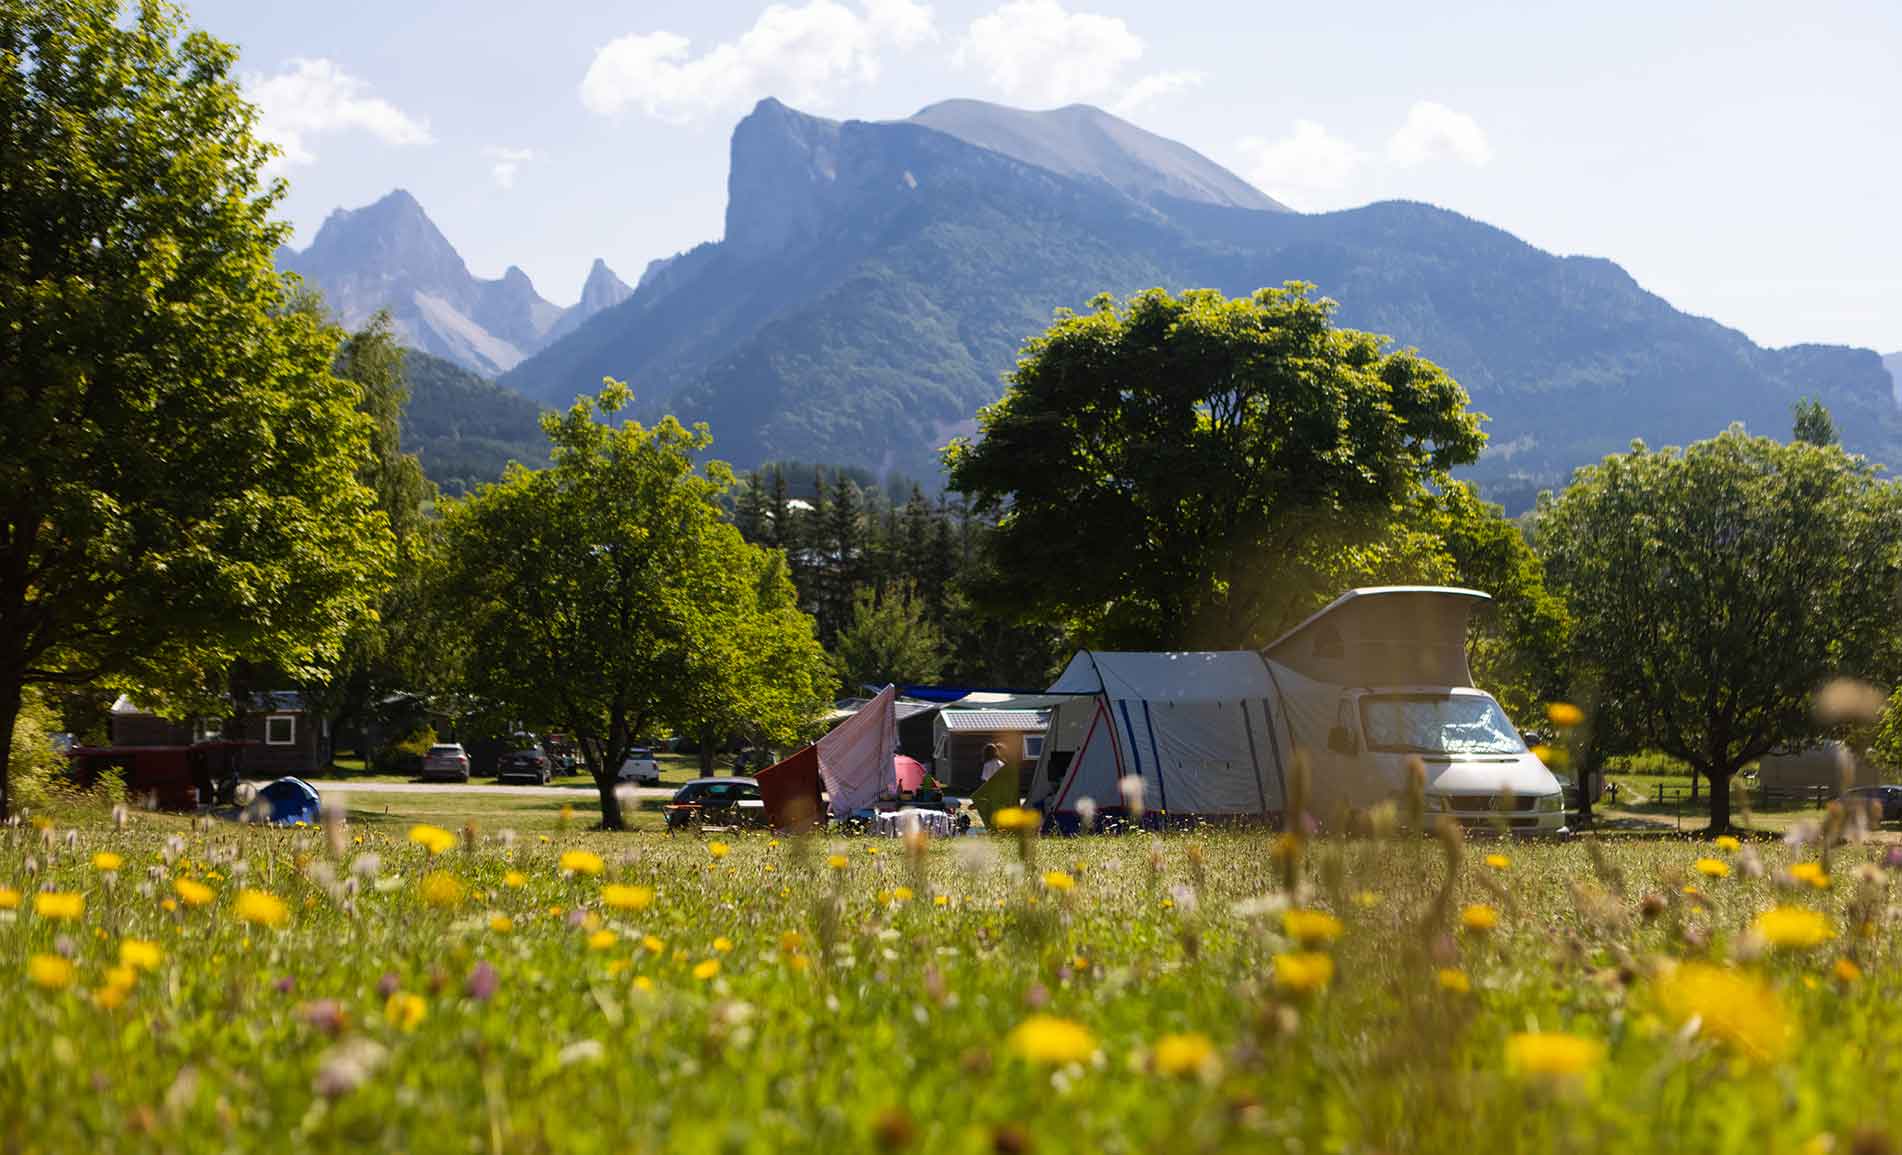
x,y
1743,159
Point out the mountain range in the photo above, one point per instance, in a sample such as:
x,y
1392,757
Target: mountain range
x,y
876,279
390,255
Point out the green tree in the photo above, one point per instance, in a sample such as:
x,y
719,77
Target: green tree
x,y
608,594
178,463
887,639
1161,466
1713,588
1812,423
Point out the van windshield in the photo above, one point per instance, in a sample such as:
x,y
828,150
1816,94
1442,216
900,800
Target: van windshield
x,y
1438,724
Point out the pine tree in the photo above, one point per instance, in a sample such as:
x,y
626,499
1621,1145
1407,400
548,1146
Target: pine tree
x,y
749,508
779,510
845,527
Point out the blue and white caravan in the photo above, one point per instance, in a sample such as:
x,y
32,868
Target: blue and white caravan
x,y
1197,732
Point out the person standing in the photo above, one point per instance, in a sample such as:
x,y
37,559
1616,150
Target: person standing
x,y
992,763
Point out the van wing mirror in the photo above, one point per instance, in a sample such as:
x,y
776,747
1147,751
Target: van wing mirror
x,y
1341,740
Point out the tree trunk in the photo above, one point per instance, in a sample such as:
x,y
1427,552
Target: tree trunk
x,y
611,818
707,753
1695,775
1587,780
10,692
1719,803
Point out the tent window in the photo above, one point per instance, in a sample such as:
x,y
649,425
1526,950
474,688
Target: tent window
x,y
1327,641
280,730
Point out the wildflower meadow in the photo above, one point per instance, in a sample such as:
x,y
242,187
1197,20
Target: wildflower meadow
x,y
188,988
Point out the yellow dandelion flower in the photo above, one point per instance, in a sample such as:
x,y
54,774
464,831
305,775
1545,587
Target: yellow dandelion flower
x,y
1553,1056
1846,971
440,888
1498,861
1727,844
61,907
871,852
652,945
139,953
616,897
261,907
404,1010
501,923
582,862
643,983
515,880
106,860
1051,1040
168,905
902,894
110,998
1812,873
50,971
706,970
433,838
122,977
1564,714
723,944
1303,972
1453,979
1058,880
193,893
1712,867
718,849
1189,1054
1016,818
941,900
1793,928
9,898
1479,918
790,941
1366,900
1738,1010
836,861
603,940
1310,928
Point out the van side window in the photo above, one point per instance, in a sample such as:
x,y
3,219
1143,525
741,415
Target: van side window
x,y
1327,641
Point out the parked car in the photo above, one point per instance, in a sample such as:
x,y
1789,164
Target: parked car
x,y
530,763
716,802
640,767
446,762
1888,797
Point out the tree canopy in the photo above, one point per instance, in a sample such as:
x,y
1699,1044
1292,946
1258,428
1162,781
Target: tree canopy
x,y
1713,588
179,463
608,595
1177,471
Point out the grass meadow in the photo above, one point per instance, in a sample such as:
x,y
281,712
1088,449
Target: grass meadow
x,y
183,987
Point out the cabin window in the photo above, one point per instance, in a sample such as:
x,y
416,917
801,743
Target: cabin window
x,y
1033,747
280,730
1327,641
207,730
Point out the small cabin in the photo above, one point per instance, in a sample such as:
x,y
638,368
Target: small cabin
x,y
960,736
279,734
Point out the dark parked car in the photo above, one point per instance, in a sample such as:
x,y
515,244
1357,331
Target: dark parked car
x,y
1888,797
716,802
529,764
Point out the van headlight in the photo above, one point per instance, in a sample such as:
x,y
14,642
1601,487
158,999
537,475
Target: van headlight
x,y
1551,803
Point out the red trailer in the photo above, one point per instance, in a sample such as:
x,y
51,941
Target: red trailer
x,y
173,777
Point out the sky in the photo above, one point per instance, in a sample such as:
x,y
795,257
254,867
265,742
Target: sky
x,y
1741,158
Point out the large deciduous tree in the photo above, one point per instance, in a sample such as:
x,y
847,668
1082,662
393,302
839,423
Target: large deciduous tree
x,y
1185,470
1714,588
178,462
608,594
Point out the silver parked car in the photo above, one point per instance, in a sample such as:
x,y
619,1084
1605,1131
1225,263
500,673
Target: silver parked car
x,y
446,762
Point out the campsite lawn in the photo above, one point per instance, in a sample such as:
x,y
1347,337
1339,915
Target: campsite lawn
x,y
1126,993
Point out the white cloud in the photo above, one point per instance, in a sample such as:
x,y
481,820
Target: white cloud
x,y
1155,86
799,53
1310,159
313,98
1434,130
506,162
1040,52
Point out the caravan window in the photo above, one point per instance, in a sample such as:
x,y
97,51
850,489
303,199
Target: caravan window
x,y
1438,724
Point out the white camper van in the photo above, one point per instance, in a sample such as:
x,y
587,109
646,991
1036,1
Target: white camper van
x,y
1360,689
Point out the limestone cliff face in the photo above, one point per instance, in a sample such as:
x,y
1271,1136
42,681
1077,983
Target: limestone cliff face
x,y
783,179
